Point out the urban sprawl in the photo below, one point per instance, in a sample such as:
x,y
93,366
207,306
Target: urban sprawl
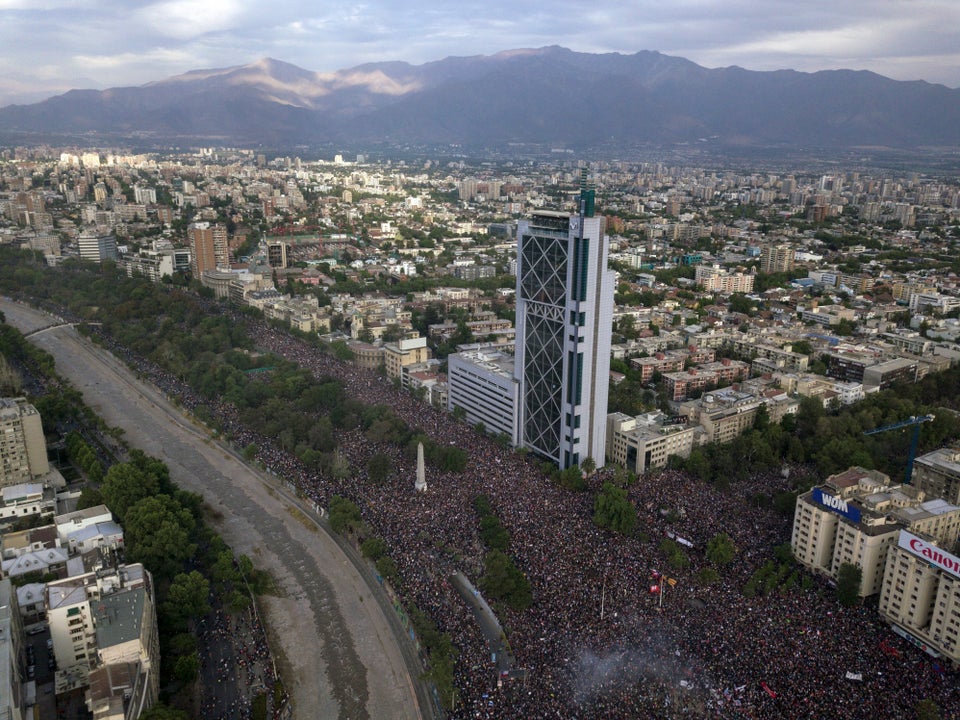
x,y
575,343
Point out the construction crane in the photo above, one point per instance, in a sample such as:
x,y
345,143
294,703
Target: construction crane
x,y
914,421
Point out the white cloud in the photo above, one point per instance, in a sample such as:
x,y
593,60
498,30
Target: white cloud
x,y
186,19
136,41
131,65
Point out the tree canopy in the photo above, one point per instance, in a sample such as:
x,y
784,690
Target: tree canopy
x,y
720,549
612,510
187,597
157,532
849,577
502,580
124,486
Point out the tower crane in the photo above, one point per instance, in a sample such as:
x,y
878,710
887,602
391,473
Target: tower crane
x,y
914,421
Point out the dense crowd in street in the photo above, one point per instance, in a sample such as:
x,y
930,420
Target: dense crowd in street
x,y
236,658
597,642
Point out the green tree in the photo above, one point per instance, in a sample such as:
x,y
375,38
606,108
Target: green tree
x,y
720,549
450,459
588,466
849,577
155,469
187,598
124,486
373,548
494,535
341,350
740,303
89,497
802,347
183,643
502,580
613,511
387,567
163,712
626,326
344,515
157,533
675,554
572,478
761,421
187,668
379,467
927,709
845,327
236,601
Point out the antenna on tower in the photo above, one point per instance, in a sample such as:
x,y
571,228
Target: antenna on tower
x,y
588,195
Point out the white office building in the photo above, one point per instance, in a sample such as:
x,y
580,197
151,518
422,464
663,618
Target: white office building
x,y
481,383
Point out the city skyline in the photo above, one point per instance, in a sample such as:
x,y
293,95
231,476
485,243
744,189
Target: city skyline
x,y
53,46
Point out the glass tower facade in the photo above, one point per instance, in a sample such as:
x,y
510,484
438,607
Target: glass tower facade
x,y
564,322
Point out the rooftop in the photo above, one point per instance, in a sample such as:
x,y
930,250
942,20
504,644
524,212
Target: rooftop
x,y
119,617
89,513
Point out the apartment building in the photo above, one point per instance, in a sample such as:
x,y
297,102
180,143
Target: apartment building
x,y
920,596
103,626
23,448
13,690
410,350
776,258
150,264
208,248
647,441
728,412
715,279
856,516
938,474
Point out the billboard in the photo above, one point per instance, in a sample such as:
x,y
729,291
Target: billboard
x,y
930,552
837,505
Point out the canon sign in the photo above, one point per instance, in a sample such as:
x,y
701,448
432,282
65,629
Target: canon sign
x,y
931,553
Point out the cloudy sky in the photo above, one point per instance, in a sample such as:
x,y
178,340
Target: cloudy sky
x,y
50,46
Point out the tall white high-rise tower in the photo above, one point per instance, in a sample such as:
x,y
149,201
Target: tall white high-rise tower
x,y
564,322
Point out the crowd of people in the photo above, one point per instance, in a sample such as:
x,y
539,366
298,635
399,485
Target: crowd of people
x,y
234,656
597,642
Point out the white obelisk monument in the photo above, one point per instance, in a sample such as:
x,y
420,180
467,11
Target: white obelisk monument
x,y
421,484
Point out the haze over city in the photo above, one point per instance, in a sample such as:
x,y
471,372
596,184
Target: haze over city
x,y
52,46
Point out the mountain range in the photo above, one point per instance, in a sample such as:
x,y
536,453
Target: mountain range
x,y
548,96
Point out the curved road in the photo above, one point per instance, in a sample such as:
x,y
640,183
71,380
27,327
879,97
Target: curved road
x,y
338,654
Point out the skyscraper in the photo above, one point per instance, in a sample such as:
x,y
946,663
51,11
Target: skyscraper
x,y
208,247
564,322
